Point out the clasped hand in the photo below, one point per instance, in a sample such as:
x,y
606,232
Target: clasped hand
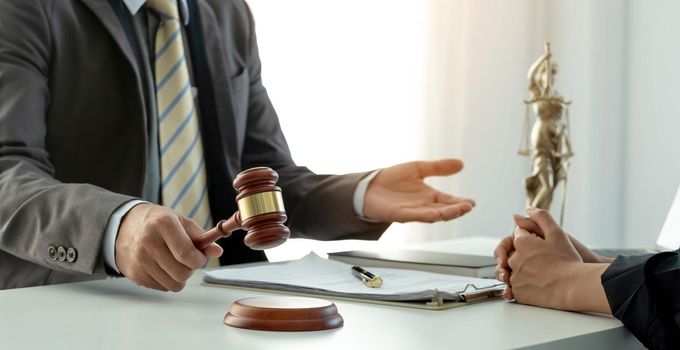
x,y
543,265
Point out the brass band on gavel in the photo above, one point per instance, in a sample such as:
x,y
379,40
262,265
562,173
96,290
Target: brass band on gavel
x,y
260,203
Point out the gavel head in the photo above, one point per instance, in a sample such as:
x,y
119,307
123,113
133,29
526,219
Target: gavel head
x,y
261,210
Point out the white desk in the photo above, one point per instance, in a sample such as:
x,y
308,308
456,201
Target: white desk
x,y
116,314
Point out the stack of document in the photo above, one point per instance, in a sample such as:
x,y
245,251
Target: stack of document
x,y
315,275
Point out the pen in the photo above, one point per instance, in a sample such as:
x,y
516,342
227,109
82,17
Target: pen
x,y
370,280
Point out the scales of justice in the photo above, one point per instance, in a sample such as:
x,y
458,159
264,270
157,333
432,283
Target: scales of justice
x,y
547,141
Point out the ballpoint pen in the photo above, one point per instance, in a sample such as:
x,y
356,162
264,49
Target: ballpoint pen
x,y
369,279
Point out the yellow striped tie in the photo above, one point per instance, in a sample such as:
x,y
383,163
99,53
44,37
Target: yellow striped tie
x,y
183,174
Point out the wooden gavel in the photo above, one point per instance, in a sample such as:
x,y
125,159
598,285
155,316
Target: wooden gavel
x,y
260,212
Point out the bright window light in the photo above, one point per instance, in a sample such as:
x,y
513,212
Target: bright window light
x,y
346,78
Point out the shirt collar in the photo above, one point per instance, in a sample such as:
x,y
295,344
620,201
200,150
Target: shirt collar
x,y
134,5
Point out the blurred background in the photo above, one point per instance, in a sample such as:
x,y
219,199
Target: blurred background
x,y
363,84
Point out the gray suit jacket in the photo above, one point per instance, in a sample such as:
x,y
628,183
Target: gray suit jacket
x,y
73,134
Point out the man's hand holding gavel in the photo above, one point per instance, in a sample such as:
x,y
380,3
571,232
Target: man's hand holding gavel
x,y
154,248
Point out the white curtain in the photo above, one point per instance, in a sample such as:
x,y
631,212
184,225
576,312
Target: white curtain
x,y
361,84
480,56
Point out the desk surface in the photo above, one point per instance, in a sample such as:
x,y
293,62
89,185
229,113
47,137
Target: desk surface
x,y
116,314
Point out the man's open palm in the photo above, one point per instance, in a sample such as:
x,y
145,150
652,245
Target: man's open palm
x,y
400,194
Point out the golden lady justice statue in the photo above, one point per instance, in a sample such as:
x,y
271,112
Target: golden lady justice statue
x,y
548,145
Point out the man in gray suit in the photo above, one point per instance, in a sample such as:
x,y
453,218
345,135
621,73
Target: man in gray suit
x,y
122,123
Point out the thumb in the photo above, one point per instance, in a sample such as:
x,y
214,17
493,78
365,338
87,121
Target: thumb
x,y
527,224
213,250
192,229
542,218
441,167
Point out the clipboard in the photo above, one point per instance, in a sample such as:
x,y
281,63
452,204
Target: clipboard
x,y
435,304
282,277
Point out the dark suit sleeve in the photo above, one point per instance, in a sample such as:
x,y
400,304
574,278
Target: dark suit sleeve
x,y
644,293
319,206
36,209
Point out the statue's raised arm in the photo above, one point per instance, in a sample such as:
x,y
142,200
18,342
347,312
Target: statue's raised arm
x,y
541,75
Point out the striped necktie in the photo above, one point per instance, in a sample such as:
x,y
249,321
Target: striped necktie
x,y
183,174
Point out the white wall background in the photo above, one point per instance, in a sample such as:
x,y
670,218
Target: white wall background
x,y
482,105
360,84
652,135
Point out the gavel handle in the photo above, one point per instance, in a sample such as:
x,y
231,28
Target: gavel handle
x,y
223,228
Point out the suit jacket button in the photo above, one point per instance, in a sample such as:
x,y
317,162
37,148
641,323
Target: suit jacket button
x,y
71,255
52,252
61,253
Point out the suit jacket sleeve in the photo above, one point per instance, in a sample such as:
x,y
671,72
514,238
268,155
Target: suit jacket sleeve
x,y
36,209
318,206
644,293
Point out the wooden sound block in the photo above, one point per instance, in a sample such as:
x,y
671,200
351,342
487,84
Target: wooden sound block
x,y
286,314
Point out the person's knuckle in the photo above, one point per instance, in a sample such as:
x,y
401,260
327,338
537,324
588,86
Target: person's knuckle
x,y
154,220
159,221
522,241
156,287
181,275
149,283
197,263
507,294
542,213
187,256
505,246
176,286
134,277
184,254
185,275
146,243
516,231
512,262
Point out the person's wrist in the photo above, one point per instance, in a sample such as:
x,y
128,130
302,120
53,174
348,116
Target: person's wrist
x,y
583,290
128,224
567,288
135,216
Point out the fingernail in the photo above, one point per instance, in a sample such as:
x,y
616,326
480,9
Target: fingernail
x,y
530,210
498,261
501,277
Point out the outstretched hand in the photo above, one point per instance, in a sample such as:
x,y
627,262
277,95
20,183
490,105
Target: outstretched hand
x,y
400,194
